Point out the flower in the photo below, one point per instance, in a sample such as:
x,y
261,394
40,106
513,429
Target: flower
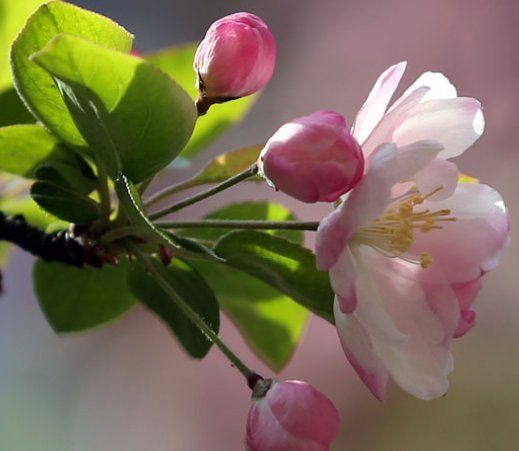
x,y
290,416
236,58
407,249
313,158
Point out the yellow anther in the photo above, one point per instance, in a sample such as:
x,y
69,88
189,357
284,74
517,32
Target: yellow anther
x,y
392,234
426,260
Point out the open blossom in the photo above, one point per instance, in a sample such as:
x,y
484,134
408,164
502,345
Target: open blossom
x,y
236,57
290,416
408,247
313,158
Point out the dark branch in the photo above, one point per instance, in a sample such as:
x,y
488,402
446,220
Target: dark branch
x,y
65,246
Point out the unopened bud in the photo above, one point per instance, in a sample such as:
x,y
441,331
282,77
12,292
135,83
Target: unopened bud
x,y
313,158
291,416
235,59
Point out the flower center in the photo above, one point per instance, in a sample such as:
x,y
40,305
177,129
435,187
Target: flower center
x,y
392,234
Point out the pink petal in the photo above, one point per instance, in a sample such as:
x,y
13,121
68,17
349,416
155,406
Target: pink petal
x,y
467,322
377,101
438,173
342,278
303,411
364,203
421,363
475,241
359,351
455,123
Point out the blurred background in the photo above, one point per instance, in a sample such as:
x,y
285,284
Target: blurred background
x,y
129,387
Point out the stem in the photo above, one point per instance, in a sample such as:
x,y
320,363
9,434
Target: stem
x,y
252,170
190,313
169,191
144,185
104,193
240,224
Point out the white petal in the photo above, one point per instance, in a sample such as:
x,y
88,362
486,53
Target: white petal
x,y
415,157
357,347
383,132
439,88
421,363
455,123
438,173
377,101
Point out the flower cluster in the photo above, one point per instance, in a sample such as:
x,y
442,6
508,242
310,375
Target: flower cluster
x,y
407,247
408,244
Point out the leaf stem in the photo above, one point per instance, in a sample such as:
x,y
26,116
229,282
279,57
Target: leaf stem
x,y
239,224
190,313
249,172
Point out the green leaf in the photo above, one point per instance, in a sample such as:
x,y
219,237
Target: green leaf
x,y
32,212
76,299
271,323
34,84
134,117
65,203
225,166
281,263
13,14
12,109
23,148
5,250
178,63
189,286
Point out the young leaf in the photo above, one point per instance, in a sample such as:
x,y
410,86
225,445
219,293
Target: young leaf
x,y
76,299
271,323
23,148
12,109
281,263
178,63
225,166
13,14
65,203
189,286
34,84
134,117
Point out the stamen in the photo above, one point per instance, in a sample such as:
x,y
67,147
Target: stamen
x,y
393,233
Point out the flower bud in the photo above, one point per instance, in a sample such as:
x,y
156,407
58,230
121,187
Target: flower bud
x,y
290,416
313,158
235,59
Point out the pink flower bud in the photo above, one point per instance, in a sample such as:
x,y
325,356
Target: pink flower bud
x,y
236,57
290,416
313,158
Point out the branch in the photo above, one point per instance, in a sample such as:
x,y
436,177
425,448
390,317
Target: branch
x,y
64,246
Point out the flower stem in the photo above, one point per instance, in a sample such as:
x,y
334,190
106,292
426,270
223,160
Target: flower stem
x,y
169,191
239,224
189,312
249,172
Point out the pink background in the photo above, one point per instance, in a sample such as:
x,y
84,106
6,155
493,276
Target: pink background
x,y
128,386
